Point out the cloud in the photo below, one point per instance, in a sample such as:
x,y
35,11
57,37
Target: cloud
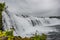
x,y
35,7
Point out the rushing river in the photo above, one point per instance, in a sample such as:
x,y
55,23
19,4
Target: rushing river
x,y
26,25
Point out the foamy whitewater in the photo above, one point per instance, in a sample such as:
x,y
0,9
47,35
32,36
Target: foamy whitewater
x,y
25,25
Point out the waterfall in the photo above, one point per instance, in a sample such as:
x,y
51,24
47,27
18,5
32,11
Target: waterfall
x,y
25,25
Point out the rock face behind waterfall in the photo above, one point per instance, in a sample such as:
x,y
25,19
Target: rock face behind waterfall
x,y
25,25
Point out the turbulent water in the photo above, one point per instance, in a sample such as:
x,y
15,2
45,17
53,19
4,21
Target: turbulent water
x,y
25,25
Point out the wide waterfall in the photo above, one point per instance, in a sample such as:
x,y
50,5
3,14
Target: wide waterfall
x,y
26,25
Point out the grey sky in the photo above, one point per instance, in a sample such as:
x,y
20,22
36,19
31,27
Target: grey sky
x,y
35,7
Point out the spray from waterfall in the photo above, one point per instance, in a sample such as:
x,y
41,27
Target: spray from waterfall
x,y
24,24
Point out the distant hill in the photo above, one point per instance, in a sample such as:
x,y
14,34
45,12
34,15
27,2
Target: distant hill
x,y
55,17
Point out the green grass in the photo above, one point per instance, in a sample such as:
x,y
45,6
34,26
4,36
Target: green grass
x,y
9,35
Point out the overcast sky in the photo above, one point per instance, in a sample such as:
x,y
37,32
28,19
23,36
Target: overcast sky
x,y
35,7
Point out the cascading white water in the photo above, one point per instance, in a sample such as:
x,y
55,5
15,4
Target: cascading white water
x,y
26,26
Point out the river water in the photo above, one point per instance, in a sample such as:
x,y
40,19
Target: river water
x,y
26,25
